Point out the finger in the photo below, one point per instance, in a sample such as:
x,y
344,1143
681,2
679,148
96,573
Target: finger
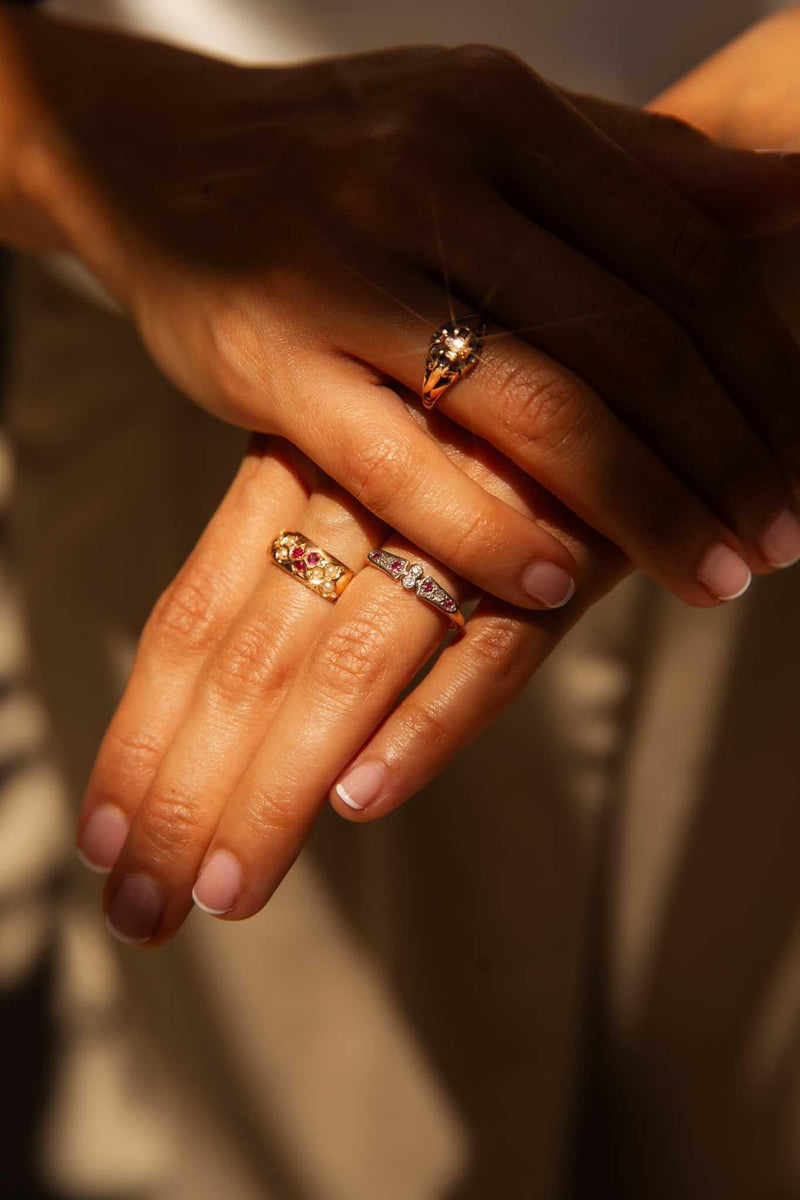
x,y
643,364
668,250
472,681
750,193
188,621
549,422
376,642
374,449
366,651
235,699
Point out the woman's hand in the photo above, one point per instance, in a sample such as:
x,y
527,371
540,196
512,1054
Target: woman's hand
x,y
288,239
250,694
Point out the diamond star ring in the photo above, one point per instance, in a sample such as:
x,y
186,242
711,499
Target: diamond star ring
x,y
413,578
452,353
317,569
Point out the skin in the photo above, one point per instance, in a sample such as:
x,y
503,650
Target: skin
x,y
602,386
191,765
243,226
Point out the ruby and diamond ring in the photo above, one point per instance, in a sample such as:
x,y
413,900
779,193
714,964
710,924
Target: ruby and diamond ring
x,y
412,576
309,564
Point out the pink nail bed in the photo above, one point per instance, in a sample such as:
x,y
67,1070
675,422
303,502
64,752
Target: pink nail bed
x,y
218,884
103,837
780,543
136,909
362,785
548,583
723,573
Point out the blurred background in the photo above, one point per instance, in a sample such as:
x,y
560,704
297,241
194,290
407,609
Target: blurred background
x,y
569,969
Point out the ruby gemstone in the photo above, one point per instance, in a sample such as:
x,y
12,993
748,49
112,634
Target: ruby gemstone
x,y
296,552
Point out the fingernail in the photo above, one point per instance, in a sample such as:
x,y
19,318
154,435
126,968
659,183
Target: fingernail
x,y
780,544
725,575
135,912
103,837
362,785
218,884
548,583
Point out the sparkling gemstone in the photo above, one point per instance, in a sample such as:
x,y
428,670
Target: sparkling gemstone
x,y
409,582
426,587
397,565
312,558
456,347
449,605
296,553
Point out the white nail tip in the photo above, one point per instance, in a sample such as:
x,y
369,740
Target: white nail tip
x,y
212,912
90,865
343,796
741,592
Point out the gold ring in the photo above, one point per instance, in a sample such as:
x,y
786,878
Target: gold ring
x,y
318,570
413,578
454,350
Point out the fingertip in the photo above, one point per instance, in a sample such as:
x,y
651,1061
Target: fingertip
x,y
360,788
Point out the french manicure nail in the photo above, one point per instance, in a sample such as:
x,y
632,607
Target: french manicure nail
x,y
136,910
103,837
723,573
362,785
218,884
780,544
548,583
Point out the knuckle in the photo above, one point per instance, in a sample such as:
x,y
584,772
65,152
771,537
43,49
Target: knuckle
x,y
542,407
495,644
351,658
660,126
188,615
477,536
267,811
247,664
170,825
653,345
129,757
702,262
382,472
489,63
424,727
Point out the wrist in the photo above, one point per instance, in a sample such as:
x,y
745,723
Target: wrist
x,y
747,94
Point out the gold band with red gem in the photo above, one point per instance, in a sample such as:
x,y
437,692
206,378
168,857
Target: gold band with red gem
x,y
413,578
452,353
316,568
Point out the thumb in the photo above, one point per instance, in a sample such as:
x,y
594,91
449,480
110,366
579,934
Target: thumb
x,y
749,192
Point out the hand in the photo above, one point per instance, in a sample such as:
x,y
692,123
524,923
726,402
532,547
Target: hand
x,y
250,694
283,239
